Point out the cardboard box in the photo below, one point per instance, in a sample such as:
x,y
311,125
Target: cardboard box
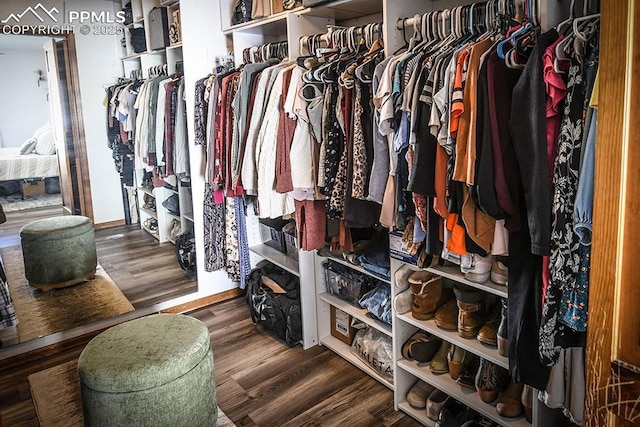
x,y
341,326
398,249
33,188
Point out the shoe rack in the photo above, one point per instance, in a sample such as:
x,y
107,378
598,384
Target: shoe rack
x,y
407,372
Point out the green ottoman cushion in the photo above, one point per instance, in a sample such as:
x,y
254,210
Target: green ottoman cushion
x,y
59,251
152,371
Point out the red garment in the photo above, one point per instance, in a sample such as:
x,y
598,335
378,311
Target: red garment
x,y
311,223
286,128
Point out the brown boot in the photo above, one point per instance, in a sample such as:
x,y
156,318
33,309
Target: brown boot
x,y
490,379
527,402
447,316
428,294
488,333
510,404
471,315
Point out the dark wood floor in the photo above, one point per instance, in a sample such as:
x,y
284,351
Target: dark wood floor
x,y
260,381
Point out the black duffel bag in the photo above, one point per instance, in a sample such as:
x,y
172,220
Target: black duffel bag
x,y
273,296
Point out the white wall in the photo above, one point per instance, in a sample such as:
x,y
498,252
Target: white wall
x,y
24,106
98,65
202,43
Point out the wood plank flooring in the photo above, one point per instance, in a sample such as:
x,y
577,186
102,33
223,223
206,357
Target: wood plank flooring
x,y
260,381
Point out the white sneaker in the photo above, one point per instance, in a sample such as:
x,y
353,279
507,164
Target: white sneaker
x,y
481,269
403,301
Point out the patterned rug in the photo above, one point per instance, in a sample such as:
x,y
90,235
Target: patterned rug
x,y
56,397
45,313
15,203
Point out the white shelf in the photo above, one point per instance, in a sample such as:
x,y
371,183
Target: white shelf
x,y
173,215
188,217
419,415
344,351
153,233
464,395
272,24
277,257
146,191
345,9
175,46
358,313
359,269
454,273
149,212
473,345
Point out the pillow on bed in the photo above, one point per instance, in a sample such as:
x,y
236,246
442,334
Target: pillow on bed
x,y
28,146
46,144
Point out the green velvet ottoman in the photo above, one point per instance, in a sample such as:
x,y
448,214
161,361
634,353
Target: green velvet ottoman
x,y
152,371
59,251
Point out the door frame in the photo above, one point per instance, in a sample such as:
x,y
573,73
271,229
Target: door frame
x,y
80,201
613,345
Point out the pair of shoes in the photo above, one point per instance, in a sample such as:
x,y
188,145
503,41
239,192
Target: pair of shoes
x,y
421,347
455,360
428,294
418,394
403,302
470,366
510,403
471,314
455,414
436,401
488,334
480,269
490,380
500,271
439,363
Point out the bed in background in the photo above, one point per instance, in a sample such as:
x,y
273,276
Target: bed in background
x,y
34,158
14,166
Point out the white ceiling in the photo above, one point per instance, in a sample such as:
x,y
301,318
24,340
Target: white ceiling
x,y
20,42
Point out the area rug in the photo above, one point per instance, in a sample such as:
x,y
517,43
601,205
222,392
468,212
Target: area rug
x,y
45,313
15,203
56,397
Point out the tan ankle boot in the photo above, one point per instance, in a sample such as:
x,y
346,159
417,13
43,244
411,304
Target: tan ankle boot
x,y
428,294
471,314
510,405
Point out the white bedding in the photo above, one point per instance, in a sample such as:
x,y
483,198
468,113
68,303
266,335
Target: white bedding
x,y
16,166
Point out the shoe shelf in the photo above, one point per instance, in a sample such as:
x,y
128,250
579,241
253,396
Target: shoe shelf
x,y
359,269
454,273
149,212
419,415
358,313
472,345
464,395
343,350
146,191
171,215
278,258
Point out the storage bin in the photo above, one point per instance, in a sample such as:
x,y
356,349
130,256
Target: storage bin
x,y
346,284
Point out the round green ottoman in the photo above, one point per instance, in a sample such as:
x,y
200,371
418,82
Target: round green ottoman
x,y
59,251
152,371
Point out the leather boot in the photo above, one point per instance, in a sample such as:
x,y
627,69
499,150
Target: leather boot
x,y
439,363
455,359
428,294
471,310
447,316
502,334
467,377
510,404
490,379
488,332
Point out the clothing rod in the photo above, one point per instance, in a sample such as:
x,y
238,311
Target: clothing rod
x,y
408,22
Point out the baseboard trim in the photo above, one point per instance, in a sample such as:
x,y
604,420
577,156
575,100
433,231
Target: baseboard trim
x,y
110,224
204,302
